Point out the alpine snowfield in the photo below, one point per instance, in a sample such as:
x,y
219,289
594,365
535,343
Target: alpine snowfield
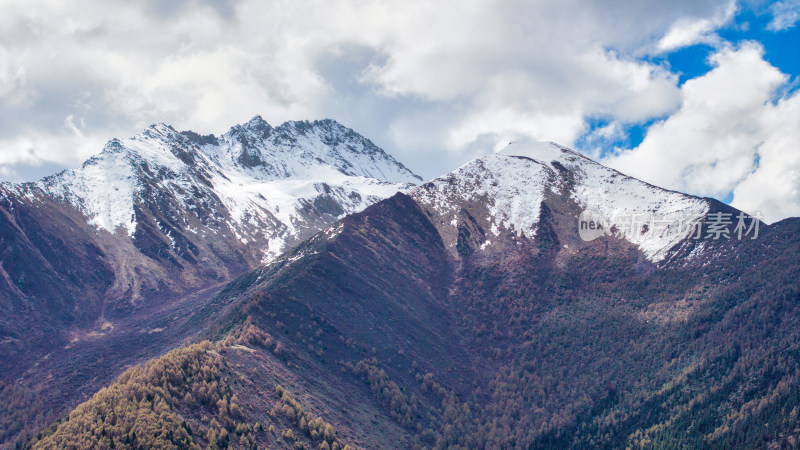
x,y
272,186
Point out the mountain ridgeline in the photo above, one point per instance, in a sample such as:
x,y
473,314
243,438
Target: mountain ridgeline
x,y
99,264
165,213
468,312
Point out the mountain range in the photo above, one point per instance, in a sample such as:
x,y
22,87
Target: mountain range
x,y
297,287
165,213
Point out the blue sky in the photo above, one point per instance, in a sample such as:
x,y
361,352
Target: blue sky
x,y
699,96
751,22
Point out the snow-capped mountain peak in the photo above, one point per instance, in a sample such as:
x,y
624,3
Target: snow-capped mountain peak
x,y
272,186
539,151
506,191
299,148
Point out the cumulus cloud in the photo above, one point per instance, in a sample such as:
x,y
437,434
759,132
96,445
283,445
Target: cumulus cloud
x,y
435,83
732,133
773,187
455,75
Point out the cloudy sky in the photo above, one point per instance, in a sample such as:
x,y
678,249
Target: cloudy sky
x,y
695,95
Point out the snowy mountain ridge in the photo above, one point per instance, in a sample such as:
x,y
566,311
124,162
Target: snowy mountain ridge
x,y
509,188
270,185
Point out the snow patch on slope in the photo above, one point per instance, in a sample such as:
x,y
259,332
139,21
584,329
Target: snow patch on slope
x,y
513,199
103,188
513,183
654,219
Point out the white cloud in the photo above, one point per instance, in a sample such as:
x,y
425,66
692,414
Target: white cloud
x,y
435,83
472,68
730,134
785,14
774,186
688,31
